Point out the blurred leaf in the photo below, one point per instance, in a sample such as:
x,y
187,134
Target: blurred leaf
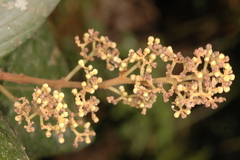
x,y
11,148
38,57
20,19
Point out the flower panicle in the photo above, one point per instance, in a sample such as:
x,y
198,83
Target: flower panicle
x,y
202,78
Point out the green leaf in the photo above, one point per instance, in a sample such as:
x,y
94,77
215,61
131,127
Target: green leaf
x,y
10,146
39,57
19,19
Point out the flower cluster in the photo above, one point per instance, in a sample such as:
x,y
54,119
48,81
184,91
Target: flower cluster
x,y
201,78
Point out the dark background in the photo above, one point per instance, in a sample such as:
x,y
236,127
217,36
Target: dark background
x,y
185,25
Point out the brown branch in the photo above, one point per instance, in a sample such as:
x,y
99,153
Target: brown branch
x,y
62,83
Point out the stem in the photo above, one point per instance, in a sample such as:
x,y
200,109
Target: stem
x,y
62,83
114,90
78,67
7,94
131,70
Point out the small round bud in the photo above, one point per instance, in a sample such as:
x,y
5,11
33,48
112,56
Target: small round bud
x,y
39,101
84,84
88,76
226,89
199,75
195,59
152,56
187,111
217,74
145,94
141,105
177,114
81,62
221,56
206,59
86,35
61,140
74,91
146,51
45,85
87,125
231,77
133,77
213,63
123,64
226,78
87,140
90,67
113,45
169,48
157,41
61,95
48,134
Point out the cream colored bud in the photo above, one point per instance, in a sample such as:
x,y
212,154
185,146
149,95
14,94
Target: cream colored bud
x,y
146,50
18,118
133,77
87,140
149,69
74,91
153,56
187,111
113,45
87,125
206,59
150,39
169,48
195,59
90,67
199,75
180,87
45,85
157,41
130,99
81,114
61,140
65,105
99,79
38,92
213,63
141,105
145,94
48,134
95,119
94,71
95,86
84,84
220,89
231,77
61,95
226,66
39,101
177,114
123,64
226,89
221,56
64,114
210,52
135,90
81,62
91,90
102,39
217,74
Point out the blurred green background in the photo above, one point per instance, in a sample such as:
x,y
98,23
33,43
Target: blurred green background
x,y
123,133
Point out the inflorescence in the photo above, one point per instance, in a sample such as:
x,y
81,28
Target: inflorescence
x,y
202,77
